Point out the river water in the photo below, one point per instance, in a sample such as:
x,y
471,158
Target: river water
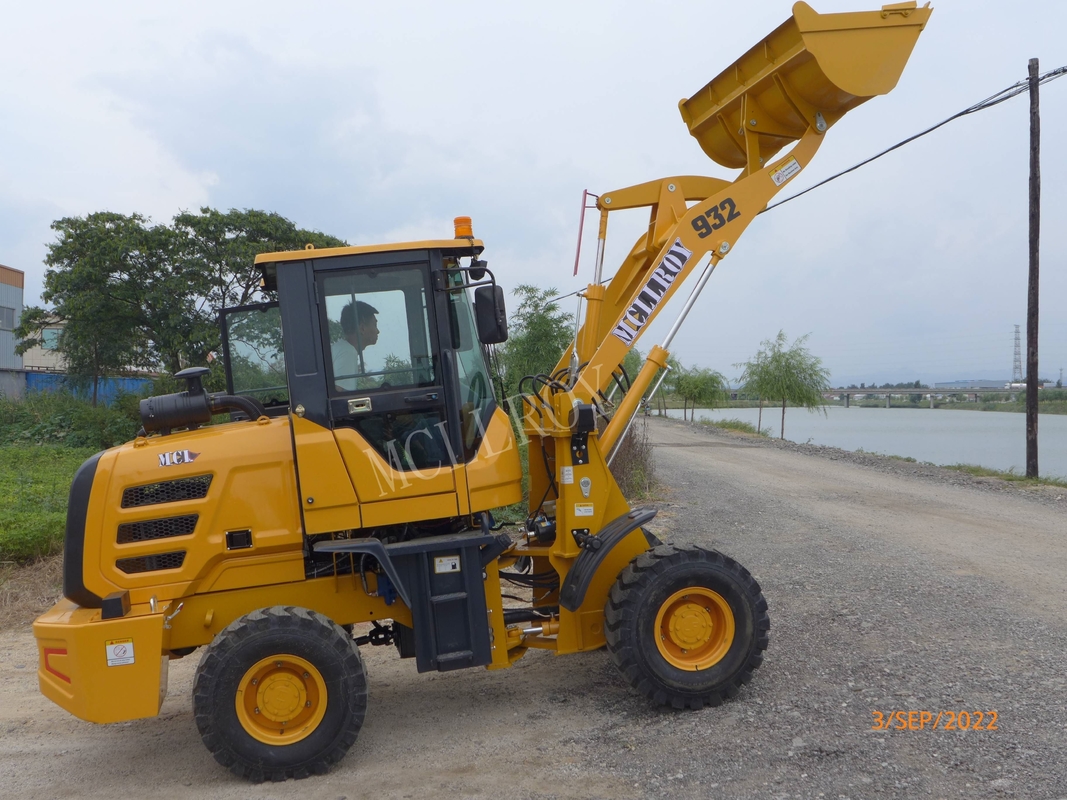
x,y
988,438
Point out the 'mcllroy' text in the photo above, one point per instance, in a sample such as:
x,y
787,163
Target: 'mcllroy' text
x,y
649,297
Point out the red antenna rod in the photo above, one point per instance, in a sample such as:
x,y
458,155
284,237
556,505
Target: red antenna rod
x,y
581,224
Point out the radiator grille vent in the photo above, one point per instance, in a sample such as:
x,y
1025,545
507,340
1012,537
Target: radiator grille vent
x,y
149,529
151,563
193,488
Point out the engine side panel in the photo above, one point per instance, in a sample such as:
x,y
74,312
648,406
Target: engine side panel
x,y
170,515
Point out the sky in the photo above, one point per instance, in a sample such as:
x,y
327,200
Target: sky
x,y
381,122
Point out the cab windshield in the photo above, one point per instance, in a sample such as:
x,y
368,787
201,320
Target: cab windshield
x,y
476,395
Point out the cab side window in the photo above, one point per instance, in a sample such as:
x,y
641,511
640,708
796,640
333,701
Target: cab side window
x,y
379,330
381,360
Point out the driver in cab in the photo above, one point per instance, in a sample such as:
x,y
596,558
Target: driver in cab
x,y
359,330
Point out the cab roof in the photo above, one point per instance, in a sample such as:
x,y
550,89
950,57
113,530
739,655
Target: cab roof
x,y
449,247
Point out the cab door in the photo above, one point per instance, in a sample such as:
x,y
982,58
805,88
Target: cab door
x,y
372,408
389,403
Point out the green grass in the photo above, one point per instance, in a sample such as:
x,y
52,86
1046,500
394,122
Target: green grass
x,y
1018,407
34,484
734,425
1009,475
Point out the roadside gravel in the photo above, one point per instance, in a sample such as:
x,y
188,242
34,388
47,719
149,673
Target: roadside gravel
x,y
892,586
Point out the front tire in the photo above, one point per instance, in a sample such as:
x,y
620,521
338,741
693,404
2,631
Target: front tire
x,y
686,626
280,693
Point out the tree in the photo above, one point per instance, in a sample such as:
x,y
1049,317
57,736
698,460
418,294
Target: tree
x,y
131,294
701,387
669,386
101,282
792,375
632,363
219,251
539,333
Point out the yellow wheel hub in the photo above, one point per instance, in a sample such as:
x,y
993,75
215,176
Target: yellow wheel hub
x,y
281,699
694,628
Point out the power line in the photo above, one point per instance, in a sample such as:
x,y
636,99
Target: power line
x,y
993,100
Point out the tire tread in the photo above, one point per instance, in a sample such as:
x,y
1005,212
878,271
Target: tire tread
x,y
300,622
624,605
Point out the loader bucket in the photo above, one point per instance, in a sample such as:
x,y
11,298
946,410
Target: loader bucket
x,y
808,72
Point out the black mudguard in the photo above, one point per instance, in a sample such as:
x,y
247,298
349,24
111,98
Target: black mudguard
x,y
572,593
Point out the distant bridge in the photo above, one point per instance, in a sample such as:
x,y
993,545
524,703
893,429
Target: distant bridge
x,y
931,394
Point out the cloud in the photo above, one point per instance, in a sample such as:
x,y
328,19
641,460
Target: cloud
x,y
384,121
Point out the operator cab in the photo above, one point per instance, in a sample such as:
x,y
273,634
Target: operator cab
x,y
384,340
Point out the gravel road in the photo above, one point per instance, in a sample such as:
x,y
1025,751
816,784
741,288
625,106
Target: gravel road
x,y
892,587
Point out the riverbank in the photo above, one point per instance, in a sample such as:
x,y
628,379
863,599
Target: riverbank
x,y
992,441
955,475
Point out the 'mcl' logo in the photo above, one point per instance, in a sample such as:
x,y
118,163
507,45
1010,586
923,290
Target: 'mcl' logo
x,y
177,457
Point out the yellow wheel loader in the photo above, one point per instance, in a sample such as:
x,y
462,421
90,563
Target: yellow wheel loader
x,y
365,452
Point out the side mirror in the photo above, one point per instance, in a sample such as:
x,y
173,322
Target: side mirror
x,y
490,314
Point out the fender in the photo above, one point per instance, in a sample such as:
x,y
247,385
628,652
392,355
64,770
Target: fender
x,y
572,593
74,539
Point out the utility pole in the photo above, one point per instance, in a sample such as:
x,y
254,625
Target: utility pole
x,y
1032,288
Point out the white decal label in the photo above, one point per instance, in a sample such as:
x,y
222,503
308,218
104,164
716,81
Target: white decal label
x,y
177,457
655,287
583,509
785,172
566,475
442,564
119,652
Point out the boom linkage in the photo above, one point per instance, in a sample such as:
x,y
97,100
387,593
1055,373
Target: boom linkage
x,y
788,89
679,239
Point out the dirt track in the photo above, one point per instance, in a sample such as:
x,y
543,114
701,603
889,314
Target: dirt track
x,y
891,587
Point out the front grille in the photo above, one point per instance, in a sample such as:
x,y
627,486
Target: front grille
x,y
151,563
157,528
193,488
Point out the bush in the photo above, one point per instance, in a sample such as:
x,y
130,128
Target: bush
x,y
60,418
634,464
34,485
735,425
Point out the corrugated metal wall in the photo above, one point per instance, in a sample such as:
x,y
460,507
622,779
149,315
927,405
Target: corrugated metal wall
x,y
107,391
12,384
11,282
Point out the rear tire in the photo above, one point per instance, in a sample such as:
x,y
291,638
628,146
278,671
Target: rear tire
x,y
280,693
686,626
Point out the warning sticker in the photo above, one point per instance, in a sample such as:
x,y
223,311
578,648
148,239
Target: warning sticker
x,y
566,475
785,172
442,564
583,509
119,652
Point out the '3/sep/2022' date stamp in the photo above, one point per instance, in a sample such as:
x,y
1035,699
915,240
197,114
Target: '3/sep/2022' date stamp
x,y
941,721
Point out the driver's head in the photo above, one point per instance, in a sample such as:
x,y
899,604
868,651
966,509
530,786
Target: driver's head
x,y
359,323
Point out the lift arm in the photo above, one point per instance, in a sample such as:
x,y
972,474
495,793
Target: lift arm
x,y
789,89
